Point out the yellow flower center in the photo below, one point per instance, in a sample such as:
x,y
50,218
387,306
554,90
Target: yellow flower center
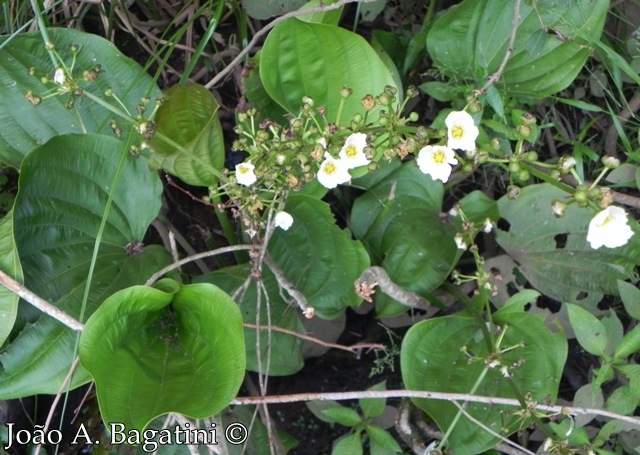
x,y
243,169
330,168
351,151
608,219
457,132
439,157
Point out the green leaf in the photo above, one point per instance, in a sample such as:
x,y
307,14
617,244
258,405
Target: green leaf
x,y
284,351
318,406
630,296
153,351
469,42
519,300
348,445
25,126
344,416
477,207
260,9
590,332
373,407
382,438
308,252
10,264
316,60
629,344
188,140
64,186
632,372
432,360
398,221
553,253
622,401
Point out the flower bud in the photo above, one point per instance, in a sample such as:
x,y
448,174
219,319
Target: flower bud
x,y
412,91
307,100
74,48
523,175
368,102
373,167
524,131
390,90
513,192
581,195
49,46
610,162
345,92
383,120
514,166
413,117
532,157
384,99
558,208
566,163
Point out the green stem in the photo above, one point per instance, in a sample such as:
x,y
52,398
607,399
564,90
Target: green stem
x,y
464,405
547,178
42,26
229,233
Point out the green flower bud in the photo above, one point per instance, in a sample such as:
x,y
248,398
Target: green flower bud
x,y
384,99
524,131
412,91
373,166
610,162
532,157
514,166
581,195
345,92
413,117
523,175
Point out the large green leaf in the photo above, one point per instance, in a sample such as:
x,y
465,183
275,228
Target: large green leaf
x,y
316,60
399,221
63,191
172,349
432,360
25,126
10,264
195,149
470,40
553,253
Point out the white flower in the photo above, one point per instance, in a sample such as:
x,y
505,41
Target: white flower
x,y
332,172
245,174
488,225
461,130
460,242
59,77
352,152
609,228
283,220
323,142
436,160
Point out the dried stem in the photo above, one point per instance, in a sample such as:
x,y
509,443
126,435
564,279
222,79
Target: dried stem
x,y
507,55
337,396
318,9
40,303
285,284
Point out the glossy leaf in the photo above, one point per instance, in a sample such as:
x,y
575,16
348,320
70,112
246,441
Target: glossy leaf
x,y
174,349
348,445
9,264
373,407
630,296
274,353
553,253
590,332
194,151
316,60
399,221
344,416
630,343
64,186
470,40
383,439
25,126
431,359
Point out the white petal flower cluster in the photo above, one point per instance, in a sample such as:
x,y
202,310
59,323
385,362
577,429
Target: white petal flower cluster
x,y
461,131
609,228
245,173
436,161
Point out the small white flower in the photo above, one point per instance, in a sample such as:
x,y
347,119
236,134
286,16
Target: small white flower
x,y
245,174
488,225
566,163
436,160
332,172
352,152
461,131
460,242
59,76
454,211
609,228
283,220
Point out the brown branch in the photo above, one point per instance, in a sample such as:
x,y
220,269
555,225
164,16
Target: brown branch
x,y
443,396
318,9
285,284
354,348
40,303
507,55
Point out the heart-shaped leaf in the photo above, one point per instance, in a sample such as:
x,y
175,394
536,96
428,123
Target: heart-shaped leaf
x,y
432,359
316,60
470,40
174,349
25,126
553,253
188,141
64,188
